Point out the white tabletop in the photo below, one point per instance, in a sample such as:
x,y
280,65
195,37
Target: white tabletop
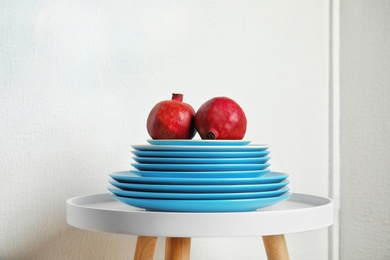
x,y
100,212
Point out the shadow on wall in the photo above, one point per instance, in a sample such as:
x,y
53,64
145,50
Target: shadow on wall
x,y
71,243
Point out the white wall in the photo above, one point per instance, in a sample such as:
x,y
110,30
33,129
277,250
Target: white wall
x,y
365,130
78,78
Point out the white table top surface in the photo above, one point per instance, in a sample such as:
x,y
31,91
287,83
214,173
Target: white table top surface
x,y
102,213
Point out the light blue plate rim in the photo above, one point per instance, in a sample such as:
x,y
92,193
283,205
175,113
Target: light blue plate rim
x,y
201,154
264,176
174,188
200,167
249,147
168,195
239,205
158,160
195,142
202,174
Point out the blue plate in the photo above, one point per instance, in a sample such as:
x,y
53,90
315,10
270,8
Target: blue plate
x,y
204,154
201,174
238,205
206,196
199,188
200,167
266,177
198,142
204,148
157,160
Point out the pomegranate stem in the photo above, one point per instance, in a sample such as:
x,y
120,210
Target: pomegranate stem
x,y
177,97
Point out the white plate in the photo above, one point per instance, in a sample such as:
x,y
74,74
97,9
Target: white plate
x,y
266,177
158,160
198,142
200,167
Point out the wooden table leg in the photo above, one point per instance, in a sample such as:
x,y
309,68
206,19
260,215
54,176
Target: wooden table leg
x,y
145,248
276,247
177,248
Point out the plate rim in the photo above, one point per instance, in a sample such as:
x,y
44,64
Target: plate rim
x,y
199,196
137,178
211,174
212,160
201,142
229,205
198,188
200,154
190,167
149,147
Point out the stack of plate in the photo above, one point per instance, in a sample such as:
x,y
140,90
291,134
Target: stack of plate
x,y
200,176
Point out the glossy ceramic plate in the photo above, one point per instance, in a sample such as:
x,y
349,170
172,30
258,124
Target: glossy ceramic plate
x,y
204,196
266,177
238,205
199,188
198,142
158,160
200,148
202,174
200,167
204,154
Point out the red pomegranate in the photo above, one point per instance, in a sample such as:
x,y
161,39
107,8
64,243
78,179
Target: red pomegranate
x,y
220,118
171,119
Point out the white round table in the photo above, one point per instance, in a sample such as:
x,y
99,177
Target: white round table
x,y
100,212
